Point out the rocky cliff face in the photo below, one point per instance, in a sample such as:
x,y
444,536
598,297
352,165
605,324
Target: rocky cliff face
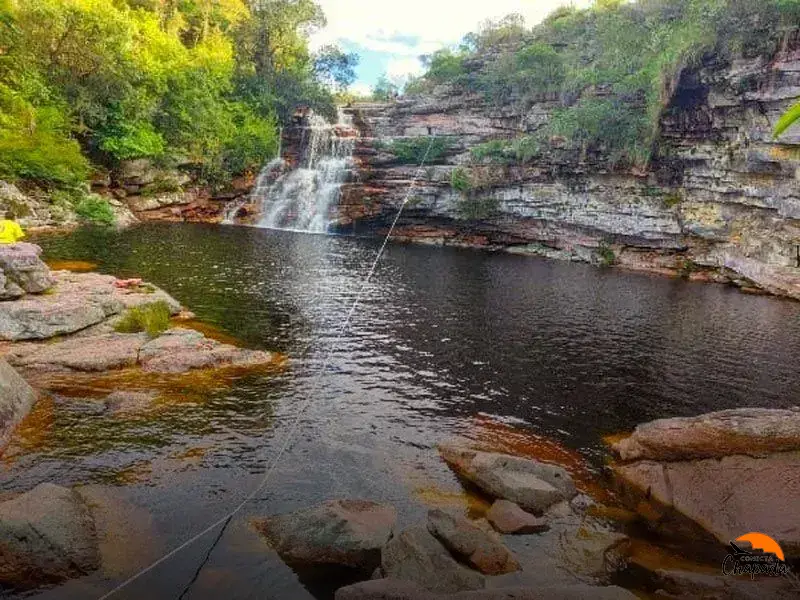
x,y
720,201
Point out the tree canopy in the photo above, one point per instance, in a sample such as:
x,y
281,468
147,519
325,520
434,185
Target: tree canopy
x,y
203,84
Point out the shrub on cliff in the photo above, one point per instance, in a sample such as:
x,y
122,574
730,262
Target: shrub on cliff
x,y
414,150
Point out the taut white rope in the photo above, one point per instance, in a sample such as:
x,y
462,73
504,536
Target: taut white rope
x,y
303,407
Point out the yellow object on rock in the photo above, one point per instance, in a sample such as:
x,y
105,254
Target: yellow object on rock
x,y
10,232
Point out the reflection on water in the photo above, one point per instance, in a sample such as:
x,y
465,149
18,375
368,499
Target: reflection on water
x,y
538,357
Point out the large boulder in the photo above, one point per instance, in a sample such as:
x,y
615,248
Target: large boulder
x,y
16,399
534,485
78,301
470,544
749,431
726,497
346,533
47,535
417,556
22,271
719,475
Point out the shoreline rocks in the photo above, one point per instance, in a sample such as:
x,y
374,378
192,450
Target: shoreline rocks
x,y
78,301
507,517
717,476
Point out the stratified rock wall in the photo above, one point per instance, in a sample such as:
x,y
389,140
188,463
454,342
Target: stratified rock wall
x,y
720,200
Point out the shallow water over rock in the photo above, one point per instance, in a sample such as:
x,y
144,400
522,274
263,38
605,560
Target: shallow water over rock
x,y
541,357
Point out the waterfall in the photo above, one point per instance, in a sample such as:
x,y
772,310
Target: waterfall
x,y
305,198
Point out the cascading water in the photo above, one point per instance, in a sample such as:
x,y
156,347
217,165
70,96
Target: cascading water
x,y
305,198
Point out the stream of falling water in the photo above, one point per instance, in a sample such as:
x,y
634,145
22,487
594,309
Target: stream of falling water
x,y
304,198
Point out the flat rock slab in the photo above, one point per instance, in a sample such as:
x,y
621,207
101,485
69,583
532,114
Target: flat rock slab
x,y
728,497
16,399
177,350
418,557
533,485
347,533
389,589
507,517
22,271
470,544
78,301
749,431
47,535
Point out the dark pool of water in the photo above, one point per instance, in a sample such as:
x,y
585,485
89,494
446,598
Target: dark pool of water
x,y
443,342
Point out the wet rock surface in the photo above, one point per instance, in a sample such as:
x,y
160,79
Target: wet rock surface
x,y
47,535
345,533
533,485
22,271
16,399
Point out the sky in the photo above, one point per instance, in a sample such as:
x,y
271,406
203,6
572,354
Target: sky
x,y
391,35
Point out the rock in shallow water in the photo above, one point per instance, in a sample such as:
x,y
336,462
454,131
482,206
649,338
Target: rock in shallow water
x,y
533,485
507,517
47,535
346,533
16,399
177,350
471,544
417,556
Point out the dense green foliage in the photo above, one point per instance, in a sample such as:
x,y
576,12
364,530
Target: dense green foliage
x,y
152,319
416,150
612,67
198,84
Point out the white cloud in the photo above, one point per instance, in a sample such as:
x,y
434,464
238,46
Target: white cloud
x,y
376,25
361,89
400,70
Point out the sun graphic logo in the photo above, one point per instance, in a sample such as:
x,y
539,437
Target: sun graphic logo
x,y
755,554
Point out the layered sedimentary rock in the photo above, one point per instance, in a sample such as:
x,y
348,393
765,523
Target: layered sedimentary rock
x,y
720,200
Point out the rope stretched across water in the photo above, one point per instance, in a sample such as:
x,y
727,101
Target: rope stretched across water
x,y
227,518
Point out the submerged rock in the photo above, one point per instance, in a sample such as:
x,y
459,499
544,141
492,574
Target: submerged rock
x,y
22,271
470,544
533,485
507,517
346,533
16,399
417,556
47,535
78,301
749,431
